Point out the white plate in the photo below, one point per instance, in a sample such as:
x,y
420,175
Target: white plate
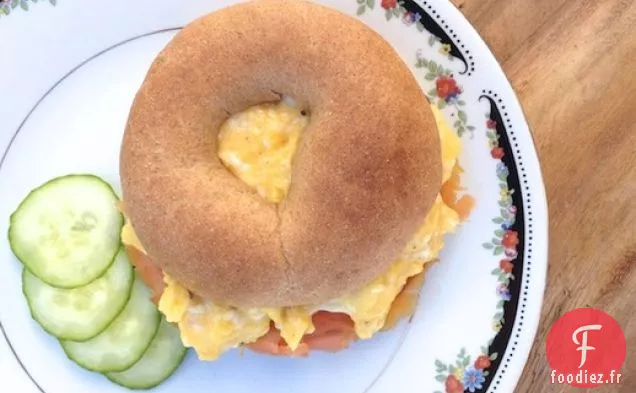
x,y
67,78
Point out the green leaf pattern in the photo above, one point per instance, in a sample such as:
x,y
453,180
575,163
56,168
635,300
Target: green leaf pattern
x,y
8,6
364,6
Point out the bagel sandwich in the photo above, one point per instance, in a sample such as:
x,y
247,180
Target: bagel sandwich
x,y
285,191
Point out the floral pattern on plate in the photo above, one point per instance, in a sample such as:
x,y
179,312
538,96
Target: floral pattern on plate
x,y
466,375
411,14
7,6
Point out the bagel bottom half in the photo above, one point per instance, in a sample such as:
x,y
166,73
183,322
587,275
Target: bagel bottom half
x,y
257,145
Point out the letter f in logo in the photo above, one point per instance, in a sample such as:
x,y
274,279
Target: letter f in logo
x,y
583,344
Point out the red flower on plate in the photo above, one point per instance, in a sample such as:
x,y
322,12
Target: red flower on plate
x,y
491,124
453,385
506,265
510,239
497,152
482,362
389,4
447,88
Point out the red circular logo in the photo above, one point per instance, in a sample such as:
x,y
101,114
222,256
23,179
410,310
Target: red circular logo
x,y
586,348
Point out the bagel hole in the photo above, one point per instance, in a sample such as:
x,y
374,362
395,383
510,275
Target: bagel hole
x,y
257,145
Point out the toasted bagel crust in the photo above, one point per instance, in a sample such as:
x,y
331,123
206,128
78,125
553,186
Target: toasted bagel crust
x,y
366,172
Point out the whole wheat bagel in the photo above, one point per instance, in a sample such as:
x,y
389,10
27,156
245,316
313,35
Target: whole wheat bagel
x,y
366,172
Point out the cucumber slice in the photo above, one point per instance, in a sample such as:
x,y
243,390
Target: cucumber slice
x,y
66,232
124,341
161,360
82,313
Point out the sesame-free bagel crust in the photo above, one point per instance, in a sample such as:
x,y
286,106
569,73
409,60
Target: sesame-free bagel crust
x,y
366,172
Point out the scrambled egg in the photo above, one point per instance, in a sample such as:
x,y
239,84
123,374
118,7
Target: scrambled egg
x,y
257,145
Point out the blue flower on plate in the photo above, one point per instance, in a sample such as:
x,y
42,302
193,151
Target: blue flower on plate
x,y
473,379
452,97
504,293
508,222
502,169
411,17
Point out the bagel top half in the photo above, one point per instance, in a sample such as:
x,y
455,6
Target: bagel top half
x,y
366,171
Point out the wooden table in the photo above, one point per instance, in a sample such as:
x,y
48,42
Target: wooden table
x,y
573,65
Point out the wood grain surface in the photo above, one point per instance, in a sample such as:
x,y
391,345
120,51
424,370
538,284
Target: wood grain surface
x,y
573,66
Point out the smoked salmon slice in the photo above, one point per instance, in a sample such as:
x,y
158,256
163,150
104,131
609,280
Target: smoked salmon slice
x,y
149,273
450,195
273,344
406,301
333,332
